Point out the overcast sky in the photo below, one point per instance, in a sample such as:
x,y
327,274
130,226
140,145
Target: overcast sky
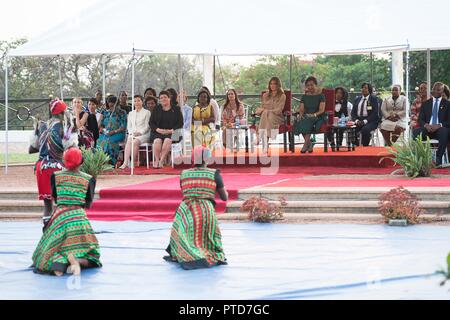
x,y
29,18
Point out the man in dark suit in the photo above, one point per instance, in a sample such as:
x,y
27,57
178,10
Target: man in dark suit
x,y
365,113
434,120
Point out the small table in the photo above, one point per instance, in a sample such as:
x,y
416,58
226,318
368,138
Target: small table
x,y
350,132
242,127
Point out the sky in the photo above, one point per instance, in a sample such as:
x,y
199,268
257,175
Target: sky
x,y
30,18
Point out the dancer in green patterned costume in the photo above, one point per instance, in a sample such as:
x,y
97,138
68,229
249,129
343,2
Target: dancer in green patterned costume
x,y
69,243
195,240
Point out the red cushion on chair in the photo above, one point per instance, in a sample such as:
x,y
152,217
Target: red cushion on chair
x,y
330,101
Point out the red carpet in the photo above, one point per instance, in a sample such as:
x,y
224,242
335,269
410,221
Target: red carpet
x,y
158,200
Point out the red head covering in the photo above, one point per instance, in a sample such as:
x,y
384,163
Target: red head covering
x,y
200,155
57,106
72,158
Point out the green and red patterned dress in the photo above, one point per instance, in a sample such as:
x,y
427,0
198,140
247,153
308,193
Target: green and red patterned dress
x,y
195,240
68,231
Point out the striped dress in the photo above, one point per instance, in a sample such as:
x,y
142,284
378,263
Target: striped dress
x,y
195,240
69,230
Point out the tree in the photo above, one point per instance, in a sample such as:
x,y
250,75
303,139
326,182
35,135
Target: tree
x,y
440,61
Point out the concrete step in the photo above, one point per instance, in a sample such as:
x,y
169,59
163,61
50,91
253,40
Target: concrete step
x,y
21,215
339,194
18,195
344,207
25,195
21,206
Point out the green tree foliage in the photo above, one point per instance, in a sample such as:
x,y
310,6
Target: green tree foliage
x,y
331,71
440,62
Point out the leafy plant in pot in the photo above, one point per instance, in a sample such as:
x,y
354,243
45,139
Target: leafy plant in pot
x,y
398,206
95,161
263,210
414,156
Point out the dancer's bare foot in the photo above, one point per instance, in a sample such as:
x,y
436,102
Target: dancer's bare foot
x,y
74,267
58,273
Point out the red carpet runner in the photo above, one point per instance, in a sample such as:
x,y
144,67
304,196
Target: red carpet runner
x,y
158,200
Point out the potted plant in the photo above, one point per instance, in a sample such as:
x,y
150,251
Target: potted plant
x,y
263,210
414,156
95,161
399,207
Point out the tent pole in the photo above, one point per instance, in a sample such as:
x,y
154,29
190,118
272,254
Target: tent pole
x,y
6,113
60,79
132,110
428,72
290,72
408,105
104,78
180,98
371,68
214,76
180,82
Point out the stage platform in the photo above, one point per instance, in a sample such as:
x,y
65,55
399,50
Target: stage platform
x,y
277,161
266,261
360,157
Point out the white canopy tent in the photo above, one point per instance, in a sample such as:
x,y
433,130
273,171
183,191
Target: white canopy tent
x,y
236,27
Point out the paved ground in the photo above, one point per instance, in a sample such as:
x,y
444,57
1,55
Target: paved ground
x,y
22,178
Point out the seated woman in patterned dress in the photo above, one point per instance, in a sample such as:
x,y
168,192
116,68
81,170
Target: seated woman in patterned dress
x,y
195,240
203,121
112,129
69,243
232,109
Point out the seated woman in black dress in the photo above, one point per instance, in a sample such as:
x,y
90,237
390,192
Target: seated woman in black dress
x,y
164,122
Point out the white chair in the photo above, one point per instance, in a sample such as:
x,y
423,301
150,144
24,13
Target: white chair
x,y
434,146
187,142
375,138
145,147
175,151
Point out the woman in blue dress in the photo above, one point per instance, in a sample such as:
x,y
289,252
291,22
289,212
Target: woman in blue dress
x,y
112,129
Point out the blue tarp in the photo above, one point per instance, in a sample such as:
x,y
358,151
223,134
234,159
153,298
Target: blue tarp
x,y
266,261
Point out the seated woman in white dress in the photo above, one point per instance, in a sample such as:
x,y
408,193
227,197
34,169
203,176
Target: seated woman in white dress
x,y
393,110
138,129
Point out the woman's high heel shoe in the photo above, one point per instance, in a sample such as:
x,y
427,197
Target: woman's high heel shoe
x,y
305,148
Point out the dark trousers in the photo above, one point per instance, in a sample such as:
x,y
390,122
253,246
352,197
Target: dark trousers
x,y
365,132
441,135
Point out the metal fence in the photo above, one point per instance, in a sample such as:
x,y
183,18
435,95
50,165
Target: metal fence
x,y
22,111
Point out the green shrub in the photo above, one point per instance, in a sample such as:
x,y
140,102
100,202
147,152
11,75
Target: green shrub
x,y
414,156
95,161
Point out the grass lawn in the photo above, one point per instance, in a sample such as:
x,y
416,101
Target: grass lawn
x,y
19,158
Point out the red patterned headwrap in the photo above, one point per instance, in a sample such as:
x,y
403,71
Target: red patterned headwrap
x,y
57,106
72,158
